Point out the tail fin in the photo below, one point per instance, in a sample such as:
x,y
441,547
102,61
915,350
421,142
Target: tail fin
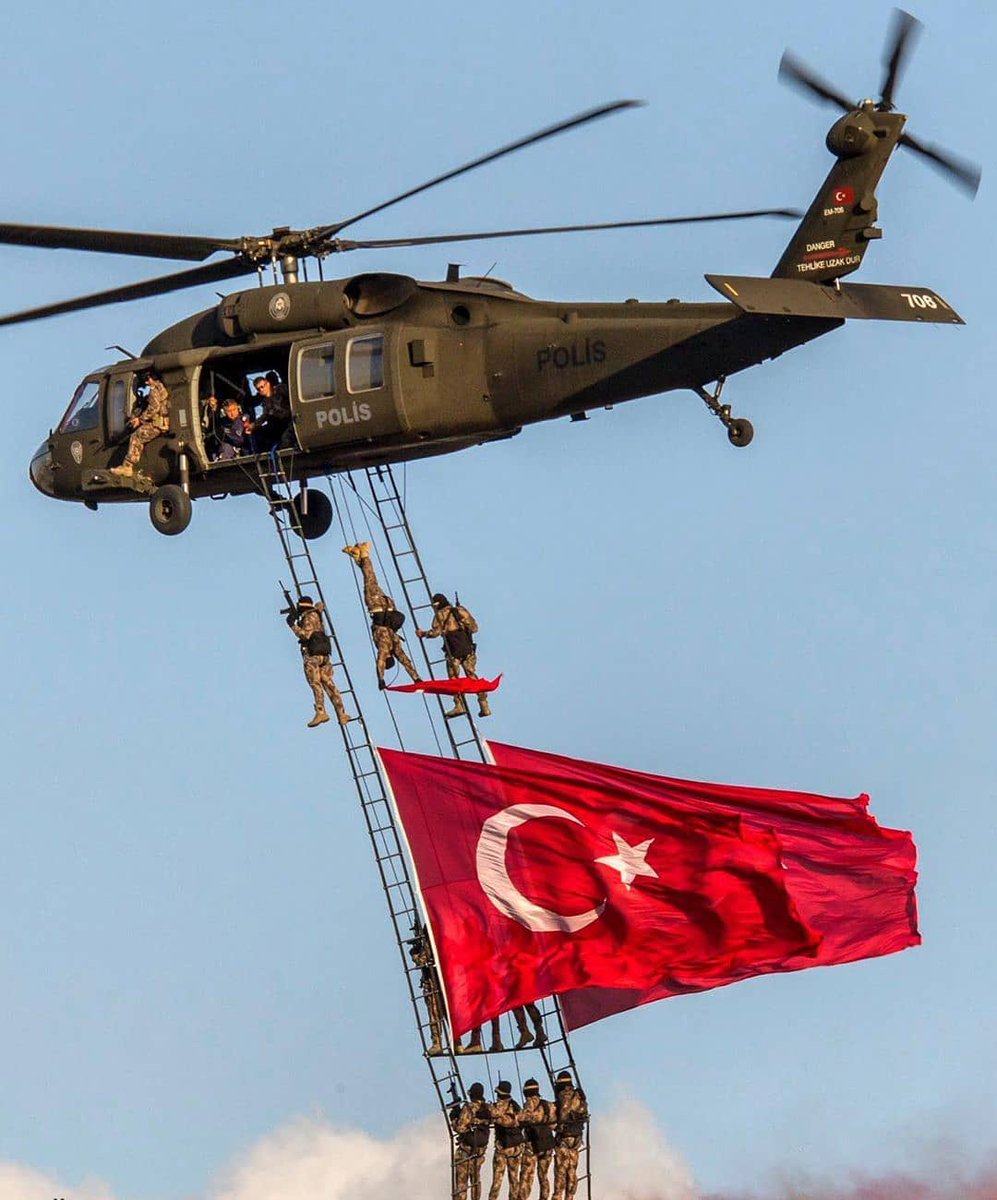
x,y
831,239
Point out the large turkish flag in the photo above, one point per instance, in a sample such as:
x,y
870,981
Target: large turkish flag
x,y
537,885
851,880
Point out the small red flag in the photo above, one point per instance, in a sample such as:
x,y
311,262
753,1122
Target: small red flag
x,y
851,880
449,687
536,885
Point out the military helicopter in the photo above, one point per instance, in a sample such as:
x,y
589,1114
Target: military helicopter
x,y
382,368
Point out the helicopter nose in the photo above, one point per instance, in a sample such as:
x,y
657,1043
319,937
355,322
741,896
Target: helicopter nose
x,y
41,470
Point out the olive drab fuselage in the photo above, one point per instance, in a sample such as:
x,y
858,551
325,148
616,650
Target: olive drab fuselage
x,y
456,365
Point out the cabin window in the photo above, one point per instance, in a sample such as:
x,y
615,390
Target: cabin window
x,y
317,373
83,413
365,363
118,406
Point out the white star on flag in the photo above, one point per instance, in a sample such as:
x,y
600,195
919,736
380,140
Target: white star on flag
x,y
630,861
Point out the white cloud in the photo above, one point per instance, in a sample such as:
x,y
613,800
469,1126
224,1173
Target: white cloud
x,y
18,1182
309,1158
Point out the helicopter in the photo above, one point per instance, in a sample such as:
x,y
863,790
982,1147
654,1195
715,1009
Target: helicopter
x,y
382,368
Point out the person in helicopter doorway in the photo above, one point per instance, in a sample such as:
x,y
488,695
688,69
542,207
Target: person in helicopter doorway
x,y
273,427
385,619
237,436
455,625
307,626
150,421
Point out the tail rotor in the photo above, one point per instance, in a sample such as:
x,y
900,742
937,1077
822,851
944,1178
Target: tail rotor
x,y
903,34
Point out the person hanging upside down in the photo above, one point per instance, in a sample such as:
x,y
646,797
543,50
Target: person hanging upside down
x,y
385,619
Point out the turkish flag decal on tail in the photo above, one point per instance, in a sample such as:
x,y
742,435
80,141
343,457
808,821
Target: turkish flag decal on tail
x,y
851,880
537,884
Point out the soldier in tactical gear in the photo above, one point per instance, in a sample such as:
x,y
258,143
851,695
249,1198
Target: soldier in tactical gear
x,y
421,953
508,1151
148,422
385,619
572,1115
538,1119
455,625
307,625
470,1122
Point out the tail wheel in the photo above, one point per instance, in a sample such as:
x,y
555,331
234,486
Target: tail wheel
x,y
170,509
313,510
740,432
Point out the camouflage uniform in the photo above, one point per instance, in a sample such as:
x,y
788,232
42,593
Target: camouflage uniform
x,y
317,667
470,1123
455,625
389,644
421,953
153,422
538,1119
572,1113
391,649
508,1153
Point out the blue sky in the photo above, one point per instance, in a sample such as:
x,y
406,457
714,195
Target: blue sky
x,y
193,945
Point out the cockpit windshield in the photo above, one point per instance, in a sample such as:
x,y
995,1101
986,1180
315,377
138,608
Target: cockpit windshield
x,y
83,413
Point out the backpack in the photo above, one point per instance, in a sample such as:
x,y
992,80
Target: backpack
x,y
541,1136
459,643
391,618
318,644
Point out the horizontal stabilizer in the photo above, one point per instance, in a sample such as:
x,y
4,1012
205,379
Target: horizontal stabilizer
x,y
865,301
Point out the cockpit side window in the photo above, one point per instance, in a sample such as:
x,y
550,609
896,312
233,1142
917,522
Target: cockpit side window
x,y
84,411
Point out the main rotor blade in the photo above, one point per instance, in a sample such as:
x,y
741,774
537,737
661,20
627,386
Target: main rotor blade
x,y
966,174
389,243
792,70
212,273
115,241
904,34
593,114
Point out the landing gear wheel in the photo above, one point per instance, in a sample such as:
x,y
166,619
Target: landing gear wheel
x,y
740,432
314,512
170,509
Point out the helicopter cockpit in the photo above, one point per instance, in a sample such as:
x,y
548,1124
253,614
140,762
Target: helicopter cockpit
x,y
84,408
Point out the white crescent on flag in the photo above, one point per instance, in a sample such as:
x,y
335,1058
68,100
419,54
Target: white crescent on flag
x,y
493,873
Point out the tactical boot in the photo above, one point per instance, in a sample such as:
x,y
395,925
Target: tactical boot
x,y
484,708
474,1047
434,1050
458,710
320,718
525,1039
539,1038
124,470
345,719
496,1047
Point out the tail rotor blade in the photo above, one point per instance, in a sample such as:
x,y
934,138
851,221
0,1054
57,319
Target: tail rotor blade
x,y
903,35
793,71
964,173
